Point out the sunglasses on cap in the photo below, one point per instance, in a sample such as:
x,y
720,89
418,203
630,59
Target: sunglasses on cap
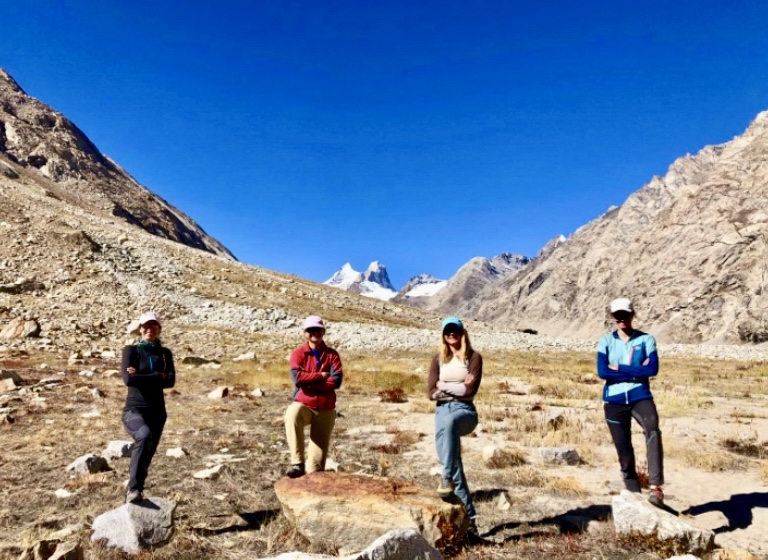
x,y
622,315
315,330
453,330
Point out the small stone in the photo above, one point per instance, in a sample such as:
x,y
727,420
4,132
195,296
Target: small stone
x,y
560,455
177,452
110,373
212,473
503,503
118,449
257,393
97,393
87,373
219,393
62,493
89,464
249,356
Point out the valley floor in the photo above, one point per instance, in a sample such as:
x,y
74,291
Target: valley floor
x,y
714,421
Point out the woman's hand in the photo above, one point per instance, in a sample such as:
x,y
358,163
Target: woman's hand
x,y
130,370
613,367
469,379
325,374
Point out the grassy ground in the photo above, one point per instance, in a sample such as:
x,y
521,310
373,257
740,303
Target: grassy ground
x,y
237,516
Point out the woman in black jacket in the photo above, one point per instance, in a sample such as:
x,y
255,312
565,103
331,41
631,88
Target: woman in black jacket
x,y
147,369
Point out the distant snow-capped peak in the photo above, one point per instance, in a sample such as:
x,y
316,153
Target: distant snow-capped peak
x,y
422,285
374,282
344,278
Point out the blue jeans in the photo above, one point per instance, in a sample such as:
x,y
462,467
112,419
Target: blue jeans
x,y
454,419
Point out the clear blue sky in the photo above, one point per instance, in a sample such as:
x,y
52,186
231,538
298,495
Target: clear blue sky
x,y
421,134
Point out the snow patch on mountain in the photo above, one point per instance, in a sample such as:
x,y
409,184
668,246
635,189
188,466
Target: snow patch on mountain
x,y
423,285
373,283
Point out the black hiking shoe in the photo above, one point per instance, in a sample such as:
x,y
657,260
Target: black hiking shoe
x,y
295,471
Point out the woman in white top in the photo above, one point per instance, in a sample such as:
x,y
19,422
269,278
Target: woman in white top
x,y
454,377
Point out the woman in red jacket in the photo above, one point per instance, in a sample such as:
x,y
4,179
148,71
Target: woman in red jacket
x,y
316,373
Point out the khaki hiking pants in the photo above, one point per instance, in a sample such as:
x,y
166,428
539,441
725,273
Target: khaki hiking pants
x,y
320,422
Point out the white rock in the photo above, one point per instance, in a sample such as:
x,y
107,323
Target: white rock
x,y
219,393
62,493
177,452
257,393
250,356
117,449
436,471
503,503
87,373
212,473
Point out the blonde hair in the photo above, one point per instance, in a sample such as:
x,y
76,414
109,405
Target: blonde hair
x,y
446,352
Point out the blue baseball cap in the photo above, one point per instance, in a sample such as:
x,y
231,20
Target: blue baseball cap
x,y
453,321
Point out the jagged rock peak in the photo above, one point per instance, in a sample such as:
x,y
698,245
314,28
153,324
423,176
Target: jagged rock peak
x,y
6,81
377,273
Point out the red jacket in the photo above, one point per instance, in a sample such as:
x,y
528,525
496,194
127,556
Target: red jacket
x,y
306,373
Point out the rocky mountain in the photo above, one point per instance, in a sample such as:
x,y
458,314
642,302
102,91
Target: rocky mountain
x,y
86,249
459,295
37,138
373,283
689,247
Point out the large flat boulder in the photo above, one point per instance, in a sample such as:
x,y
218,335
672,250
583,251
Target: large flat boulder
x,y
351,511
633,514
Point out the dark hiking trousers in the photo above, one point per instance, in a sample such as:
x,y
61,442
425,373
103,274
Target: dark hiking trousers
x,y
619,418
145,427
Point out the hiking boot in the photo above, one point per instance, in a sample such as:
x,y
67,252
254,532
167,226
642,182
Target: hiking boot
x,y
657,496
445,490
295,471
472,529
134,496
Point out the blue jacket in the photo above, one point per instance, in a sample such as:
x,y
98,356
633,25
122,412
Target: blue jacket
x,y
631,383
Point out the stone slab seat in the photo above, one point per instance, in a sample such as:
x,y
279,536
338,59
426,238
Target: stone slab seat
x,y
351,510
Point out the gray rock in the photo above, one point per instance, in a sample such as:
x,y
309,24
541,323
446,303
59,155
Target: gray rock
x,y
89,464
117,449
247,356
132,527
633,514
560,455
12,375
398,544
198,360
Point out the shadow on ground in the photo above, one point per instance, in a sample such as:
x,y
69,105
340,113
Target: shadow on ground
x,y
253,522
737,509
572,521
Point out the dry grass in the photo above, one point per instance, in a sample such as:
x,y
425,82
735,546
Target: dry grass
x,y
46,437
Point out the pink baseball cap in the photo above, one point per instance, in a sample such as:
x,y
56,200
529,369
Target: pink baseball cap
x,y
314,322
149,316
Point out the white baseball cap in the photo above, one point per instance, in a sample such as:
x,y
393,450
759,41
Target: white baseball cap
x,y
149,316
622,304
314,322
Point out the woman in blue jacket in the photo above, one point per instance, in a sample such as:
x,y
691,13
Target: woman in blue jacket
x,y
147,369
627,359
